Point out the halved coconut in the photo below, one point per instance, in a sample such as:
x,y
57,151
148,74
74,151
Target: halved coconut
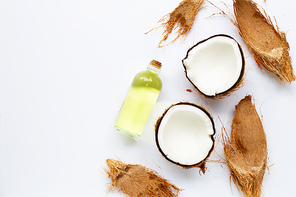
x,y
185,135
215,66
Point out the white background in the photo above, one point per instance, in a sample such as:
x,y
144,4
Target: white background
x,y
65,67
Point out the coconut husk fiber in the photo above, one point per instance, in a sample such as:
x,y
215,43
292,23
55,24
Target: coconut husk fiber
x,y
246,149
180,20
136,180
268,45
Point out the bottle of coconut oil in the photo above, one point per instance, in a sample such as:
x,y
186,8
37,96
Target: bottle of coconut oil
x,y
139,101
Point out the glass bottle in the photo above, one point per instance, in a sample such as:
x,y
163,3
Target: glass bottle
x,y
139,101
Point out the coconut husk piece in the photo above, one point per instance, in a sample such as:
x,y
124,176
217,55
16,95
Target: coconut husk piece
x,y
180,20
267,43
136,180
246,149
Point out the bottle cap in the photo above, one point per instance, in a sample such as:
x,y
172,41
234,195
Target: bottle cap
x,y
155,63
154,66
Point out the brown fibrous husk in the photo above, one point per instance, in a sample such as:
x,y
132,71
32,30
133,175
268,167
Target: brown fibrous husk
x,y
136,180
267,43
246,149
181,19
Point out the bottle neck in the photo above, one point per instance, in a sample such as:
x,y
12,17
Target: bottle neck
x,y
154,66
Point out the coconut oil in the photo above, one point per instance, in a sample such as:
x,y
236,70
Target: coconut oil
x,y
139,101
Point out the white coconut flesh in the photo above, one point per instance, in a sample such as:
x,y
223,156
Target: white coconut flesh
x,y
184,134
215,65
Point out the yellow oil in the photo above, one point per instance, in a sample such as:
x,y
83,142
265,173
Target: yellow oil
x,y
138,104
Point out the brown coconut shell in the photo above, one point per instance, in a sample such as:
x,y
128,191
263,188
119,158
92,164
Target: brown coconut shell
x,y
202,164
268,45
135,180
181,20
246,149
